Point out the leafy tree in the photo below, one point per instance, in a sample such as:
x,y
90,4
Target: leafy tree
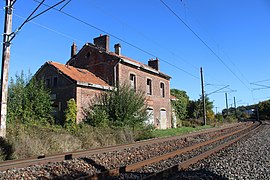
x,y
180,105
119,107
195,108
264,109
70,115
28,100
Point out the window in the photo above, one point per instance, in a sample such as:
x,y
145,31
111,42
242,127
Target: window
x,y
162,90
150,119
48,82
163,119
55,82
149,87
132,79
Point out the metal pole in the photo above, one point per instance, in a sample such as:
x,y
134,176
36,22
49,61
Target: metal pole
x,y
226,99
235,106
5,66
203,98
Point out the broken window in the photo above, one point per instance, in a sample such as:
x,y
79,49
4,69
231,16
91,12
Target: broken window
x,y
132,79
149,87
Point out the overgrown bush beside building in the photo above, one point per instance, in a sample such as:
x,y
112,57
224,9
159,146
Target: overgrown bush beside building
x,y
70,115
28,101
117,108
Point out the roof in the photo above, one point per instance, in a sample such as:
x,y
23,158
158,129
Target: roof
x,y
173,98
139,64
79,75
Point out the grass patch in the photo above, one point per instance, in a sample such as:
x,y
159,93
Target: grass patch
x,y
177,131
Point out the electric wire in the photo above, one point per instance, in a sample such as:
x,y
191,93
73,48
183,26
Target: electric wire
x,y
120,39
208,47
50,29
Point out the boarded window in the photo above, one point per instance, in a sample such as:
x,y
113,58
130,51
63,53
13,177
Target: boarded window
x,y
132,79
162,90
149,87
163,119
150,114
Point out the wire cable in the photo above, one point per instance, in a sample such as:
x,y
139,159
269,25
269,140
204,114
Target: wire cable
x,y
208,47
120,39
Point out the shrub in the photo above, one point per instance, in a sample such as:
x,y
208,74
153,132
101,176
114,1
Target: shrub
x,y
70,115
117,108
6,149
28,101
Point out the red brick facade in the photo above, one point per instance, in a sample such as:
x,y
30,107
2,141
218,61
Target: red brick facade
x,y
115,68
111,68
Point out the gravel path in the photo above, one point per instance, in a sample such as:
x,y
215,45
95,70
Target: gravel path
x,y
247,159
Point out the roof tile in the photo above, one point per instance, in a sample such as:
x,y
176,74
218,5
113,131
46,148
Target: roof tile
x,y
81,75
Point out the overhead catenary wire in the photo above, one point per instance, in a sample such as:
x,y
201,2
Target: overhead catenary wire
x,y
216,43
50,29
120,39
31,17
207,46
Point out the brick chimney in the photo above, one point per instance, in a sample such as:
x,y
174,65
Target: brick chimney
x,y
154,63
117,49
102,42
73,49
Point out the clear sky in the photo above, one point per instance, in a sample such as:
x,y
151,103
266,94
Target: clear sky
x,y
233,49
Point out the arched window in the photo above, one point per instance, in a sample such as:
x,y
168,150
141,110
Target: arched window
x,y
162,89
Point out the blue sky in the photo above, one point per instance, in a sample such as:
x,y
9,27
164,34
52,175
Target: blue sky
x,y
238,32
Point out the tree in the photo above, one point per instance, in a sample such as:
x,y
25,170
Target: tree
x,y
120,107
264,109
195,108
180,104
28,100
70,115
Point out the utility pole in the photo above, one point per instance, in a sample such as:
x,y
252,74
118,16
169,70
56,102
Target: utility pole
x,y
235,107
226,99
5,65
203,98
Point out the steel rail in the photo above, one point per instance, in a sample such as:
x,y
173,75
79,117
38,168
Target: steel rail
x,y
140,164
132,167
184,165
44,159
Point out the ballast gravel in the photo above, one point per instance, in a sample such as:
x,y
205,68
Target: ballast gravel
x,y
246,159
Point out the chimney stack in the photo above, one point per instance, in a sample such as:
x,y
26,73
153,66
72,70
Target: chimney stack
x,y
154,63
73,49
102,42
117,49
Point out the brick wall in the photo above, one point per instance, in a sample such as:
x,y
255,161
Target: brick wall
x,y
84,96
154,101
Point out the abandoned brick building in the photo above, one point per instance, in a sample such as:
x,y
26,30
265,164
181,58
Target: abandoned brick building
x,y
95,69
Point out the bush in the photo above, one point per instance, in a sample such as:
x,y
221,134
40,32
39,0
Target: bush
x,y
27,140
117,108
70,115
28,101
6,149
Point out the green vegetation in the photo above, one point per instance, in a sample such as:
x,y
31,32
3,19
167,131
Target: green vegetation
x,y
118,108
28,101
70,115
177,131
263,108
26,140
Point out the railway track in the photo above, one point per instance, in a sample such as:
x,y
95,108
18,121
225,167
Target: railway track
x,y
137,170
130,169
140,170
